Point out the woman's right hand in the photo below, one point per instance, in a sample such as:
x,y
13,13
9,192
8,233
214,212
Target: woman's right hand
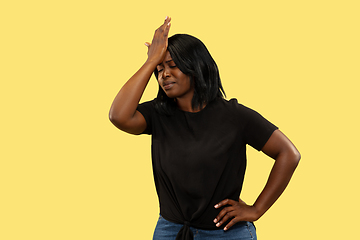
x,y
159,44
123,113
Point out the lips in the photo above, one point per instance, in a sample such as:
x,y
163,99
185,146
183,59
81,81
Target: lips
x,y
168,85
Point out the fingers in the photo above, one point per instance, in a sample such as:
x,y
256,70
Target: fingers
x,y
165,27
225,202
230,212
167,20
230,224
224,215
148,46
158,46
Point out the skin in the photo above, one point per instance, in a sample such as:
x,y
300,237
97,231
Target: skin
x,y
287,157
175,83
123,114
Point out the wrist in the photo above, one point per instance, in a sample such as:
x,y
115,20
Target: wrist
x,y
257,212
150,65
151,62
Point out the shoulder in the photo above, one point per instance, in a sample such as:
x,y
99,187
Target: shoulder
x,y
238,112
228,111
150,103
233,102
233,106
146,107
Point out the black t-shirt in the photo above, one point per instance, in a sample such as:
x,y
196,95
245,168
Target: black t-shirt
x,y
199,159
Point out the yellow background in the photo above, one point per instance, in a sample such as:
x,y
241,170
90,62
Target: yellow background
x,y
67,173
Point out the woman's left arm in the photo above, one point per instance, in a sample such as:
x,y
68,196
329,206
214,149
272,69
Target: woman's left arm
x,y
287,157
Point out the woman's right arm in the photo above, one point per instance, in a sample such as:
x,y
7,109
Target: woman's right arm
x,y
123,113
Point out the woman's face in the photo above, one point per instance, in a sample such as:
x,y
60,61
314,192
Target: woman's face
x,y
174,82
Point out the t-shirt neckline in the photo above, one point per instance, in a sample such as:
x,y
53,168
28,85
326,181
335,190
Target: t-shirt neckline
x,y
202,110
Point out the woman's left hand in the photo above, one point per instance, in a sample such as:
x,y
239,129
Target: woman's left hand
x,y
238,211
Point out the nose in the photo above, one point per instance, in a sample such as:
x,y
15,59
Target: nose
x,y
166,73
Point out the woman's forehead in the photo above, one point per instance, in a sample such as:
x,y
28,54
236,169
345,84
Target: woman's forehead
x,y
167,56
167,59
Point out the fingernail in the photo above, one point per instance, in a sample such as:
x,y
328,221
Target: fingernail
x,y
166,17
215,220
218,224
216,205
225,228
146,44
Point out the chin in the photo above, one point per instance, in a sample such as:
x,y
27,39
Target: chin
x,y
171,95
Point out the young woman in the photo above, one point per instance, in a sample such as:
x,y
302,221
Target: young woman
x,y
199,142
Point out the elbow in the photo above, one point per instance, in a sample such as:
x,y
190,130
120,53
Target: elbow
x,y
115,119
298,156
294,157
112,117
289,156
121,123
116,116
117,122
293,154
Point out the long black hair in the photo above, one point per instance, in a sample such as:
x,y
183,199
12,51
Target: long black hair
x,y
194,60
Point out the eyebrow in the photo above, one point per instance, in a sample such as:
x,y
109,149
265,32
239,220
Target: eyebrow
x,y
166,62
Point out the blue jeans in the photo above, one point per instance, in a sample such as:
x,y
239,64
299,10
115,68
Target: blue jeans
x,y
166,230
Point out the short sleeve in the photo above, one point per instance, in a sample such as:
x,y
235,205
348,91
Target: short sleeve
x,y
257,130
147,110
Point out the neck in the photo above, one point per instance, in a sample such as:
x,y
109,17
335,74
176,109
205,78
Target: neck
x,y
186,106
